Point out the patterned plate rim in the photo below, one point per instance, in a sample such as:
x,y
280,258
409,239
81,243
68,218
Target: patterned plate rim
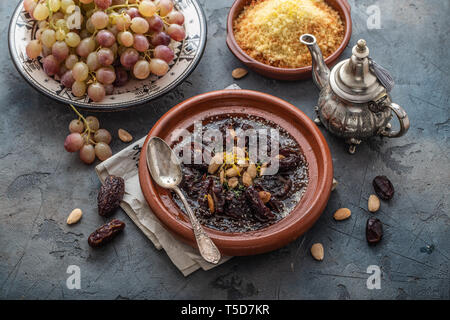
x,y
108,107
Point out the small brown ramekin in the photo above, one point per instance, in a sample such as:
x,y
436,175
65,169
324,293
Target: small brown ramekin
x,y
342,6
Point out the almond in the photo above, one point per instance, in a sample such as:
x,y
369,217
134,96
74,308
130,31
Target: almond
x,y
334,185
317,251
232,172
74,216
239,73
373,203
210,203
342,214
246,179
125,136
265,196
222,176
233,182
215,163
252,170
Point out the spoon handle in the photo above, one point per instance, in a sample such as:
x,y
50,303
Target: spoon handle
x,y
207,248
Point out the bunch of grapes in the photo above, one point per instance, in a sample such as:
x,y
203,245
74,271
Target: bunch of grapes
x,y
87,138
118,40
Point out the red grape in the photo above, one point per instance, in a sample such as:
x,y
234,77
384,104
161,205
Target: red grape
x,y
67,79
103,4
164,53
160,38
106,75
155,23
175,17
50,65
140,43
176,32
105,38
105,57
121,77
96,92
129,58
73,142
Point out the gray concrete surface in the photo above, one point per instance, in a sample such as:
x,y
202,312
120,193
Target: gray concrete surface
x,y
41,184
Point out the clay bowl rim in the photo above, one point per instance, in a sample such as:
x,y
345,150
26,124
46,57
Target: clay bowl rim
x,y
284,73
300,219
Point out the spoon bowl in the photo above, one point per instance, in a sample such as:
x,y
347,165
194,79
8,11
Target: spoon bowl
x,y
163,164
165,170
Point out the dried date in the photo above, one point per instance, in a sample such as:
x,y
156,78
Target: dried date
x,y
374,230
383,187
105,233
110,195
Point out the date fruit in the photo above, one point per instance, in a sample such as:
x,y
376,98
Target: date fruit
x,y
374,230
110,195
105,233
383,187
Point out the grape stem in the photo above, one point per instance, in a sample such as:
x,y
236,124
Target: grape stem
x,y
88,130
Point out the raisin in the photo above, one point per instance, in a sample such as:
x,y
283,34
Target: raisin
x,y
374,230
383,187
110,195
105,233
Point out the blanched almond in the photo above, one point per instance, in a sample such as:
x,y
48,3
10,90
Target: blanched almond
x,y
239,73
252,170
317,251
334,185
74,216
246,179
232,172
342,214
265,196
215,163
373,203
210,203
125,136
233,182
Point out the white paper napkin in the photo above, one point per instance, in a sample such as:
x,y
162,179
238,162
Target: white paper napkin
x,y
125,164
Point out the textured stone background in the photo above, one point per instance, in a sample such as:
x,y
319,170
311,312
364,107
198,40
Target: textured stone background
x,y
41,184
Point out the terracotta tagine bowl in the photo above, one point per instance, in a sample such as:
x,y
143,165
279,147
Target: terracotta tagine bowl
x,y
244,103
341,6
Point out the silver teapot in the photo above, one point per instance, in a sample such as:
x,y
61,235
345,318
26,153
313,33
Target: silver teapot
x,y
354,103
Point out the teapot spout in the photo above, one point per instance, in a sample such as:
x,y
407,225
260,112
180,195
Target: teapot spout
x,y
320,71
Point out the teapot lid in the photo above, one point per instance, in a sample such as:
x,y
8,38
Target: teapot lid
x,y
354,79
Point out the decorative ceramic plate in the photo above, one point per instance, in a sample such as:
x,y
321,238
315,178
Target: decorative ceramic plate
x,y
187,55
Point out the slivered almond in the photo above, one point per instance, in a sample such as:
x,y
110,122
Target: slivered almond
x,y
210,203
125,136
342,214
239,73
317,251
74,216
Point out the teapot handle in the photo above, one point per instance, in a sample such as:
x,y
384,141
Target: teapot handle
x,y
403,119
